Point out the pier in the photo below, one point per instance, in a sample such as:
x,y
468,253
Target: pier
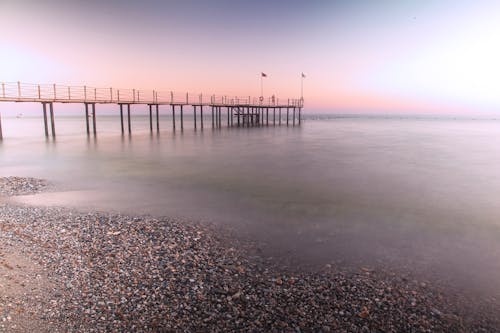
x,y
228,111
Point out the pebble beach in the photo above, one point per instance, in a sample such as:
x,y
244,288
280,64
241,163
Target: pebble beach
x,y
63,270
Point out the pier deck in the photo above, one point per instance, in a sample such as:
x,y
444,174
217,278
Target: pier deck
x,y
240,111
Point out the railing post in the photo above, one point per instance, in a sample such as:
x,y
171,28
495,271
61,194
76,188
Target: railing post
x,y
54,87
39,93
118,93
3,90
18,89
95,94
187,98
133,93
69,92
111,94
138,96
84,93
171,97
201,99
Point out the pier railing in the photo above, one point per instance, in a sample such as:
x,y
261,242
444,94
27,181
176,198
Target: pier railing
x,y
28,92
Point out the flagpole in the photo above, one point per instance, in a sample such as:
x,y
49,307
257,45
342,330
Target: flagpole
x,y
301,86
261,86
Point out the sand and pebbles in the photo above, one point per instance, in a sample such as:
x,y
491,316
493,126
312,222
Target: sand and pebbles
x,y
63,270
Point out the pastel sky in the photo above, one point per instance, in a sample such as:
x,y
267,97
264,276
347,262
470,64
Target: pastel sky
x,y
359,56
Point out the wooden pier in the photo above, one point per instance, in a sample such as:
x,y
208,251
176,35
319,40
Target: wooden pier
x,y
238,111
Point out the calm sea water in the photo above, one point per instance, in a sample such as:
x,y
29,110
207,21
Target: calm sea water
x,y
414,194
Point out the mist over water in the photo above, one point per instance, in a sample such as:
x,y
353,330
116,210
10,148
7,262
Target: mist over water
x,y
410,194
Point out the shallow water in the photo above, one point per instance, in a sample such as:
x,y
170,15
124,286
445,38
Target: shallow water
x,y
411,194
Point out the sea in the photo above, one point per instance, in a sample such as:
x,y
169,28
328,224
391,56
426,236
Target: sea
x,y
404,194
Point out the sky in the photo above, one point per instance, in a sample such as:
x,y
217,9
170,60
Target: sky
x,y
358,56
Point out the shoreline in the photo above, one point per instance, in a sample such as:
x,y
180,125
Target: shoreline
x,y
110,272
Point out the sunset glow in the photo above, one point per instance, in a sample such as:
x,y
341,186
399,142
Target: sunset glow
x,y
378,57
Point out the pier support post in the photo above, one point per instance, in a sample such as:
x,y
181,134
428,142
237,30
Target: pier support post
x,y
150,118
220,116
121,117
173,116
182,119
248,116
227,116
287,112
213,123
267,116
194,115
87,118
300,120
238,114
293,117
231,112
44,105
52,123
94,120
279,115
274,116
157,118
128,119
201,116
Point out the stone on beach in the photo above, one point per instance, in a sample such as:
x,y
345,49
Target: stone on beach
x,y
114,272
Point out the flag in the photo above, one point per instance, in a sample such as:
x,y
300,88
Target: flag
x,y
303,75
263,74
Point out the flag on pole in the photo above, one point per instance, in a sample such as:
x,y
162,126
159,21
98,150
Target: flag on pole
x,y
263,74
303,75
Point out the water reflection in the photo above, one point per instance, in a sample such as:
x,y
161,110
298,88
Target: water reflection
x,y
411,194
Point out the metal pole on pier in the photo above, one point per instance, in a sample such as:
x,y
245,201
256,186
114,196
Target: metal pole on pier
x,y
201,116
45,119
194,115
150,118
121,117
157,118
173,116
94,119
128,119
87,117
182,119
213,123
52,120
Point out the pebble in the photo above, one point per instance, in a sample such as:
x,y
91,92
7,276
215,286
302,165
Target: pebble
x,y
139,273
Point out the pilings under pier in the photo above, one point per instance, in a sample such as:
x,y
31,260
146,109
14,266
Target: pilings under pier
x,y
52,120
235,116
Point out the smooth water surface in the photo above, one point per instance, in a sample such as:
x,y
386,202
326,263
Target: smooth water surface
x,y
411,194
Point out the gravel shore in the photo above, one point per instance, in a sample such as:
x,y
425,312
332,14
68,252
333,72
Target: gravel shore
x,y
96,272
